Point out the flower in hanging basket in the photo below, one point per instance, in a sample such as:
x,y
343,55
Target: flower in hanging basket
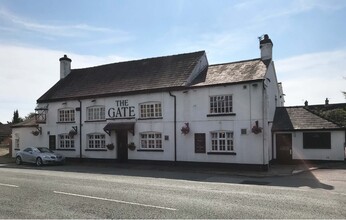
x,y
35,133
131,146
185,129
72,133
110,146
256,129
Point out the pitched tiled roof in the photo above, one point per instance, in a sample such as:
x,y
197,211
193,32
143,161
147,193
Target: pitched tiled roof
x,y
31,122
125,77
234,72
300,118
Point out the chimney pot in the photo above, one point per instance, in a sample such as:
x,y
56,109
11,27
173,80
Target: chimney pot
x,y
326,101
306,103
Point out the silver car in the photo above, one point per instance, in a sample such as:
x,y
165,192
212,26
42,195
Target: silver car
x,y
38,156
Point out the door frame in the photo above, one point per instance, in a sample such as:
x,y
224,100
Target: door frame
x,y
122,141
284,152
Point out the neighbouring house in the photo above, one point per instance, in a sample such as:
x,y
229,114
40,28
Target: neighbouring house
x,y
171,108
315,132
5,135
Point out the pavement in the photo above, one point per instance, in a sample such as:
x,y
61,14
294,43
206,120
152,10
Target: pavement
x,y
274,169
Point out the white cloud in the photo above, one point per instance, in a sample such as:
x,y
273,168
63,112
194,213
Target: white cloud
x,y
313,77
27,73
72,30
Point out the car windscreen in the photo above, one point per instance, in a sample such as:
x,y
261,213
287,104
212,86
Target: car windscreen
x,y
44,150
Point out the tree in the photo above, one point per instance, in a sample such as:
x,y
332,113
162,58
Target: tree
x,y
16,119
30,115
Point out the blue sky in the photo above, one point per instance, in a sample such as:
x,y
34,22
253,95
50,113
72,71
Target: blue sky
x,y
308,35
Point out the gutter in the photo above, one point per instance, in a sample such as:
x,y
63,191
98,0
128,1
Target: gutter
x,y
175,125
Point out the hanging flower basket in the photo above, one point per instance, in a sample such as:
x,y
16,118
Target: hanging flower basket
x,y
110,146
185,129
256,129
131,146
72,133
35,133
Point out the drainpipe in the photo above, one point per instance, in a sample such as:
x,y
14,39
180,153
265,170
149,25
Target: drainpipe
x,y
175,125
80,129
263,114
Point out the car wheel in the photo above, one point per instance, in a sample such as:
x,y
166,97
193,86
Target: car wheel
x,y
18,160
39,161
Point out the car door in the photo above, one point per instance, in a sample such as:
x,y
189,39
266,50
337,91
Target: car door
x,y
27,155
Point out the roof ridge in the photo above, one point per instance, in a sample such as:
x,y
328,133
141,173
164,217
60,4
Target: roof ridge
x,y
139,60
239,61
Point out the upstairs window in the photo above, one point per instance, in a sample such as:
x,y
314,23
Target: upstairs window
x,y
66,115
151,141
96,113
221,104
96,141
222,141
150,110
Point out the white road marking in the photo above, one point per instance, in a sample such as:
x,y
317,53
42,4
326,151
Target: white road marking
x,y
9,185
114,200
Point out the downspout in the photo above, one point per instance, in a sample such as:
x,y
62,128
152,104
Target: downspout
x,y
80,129
175,125
263,106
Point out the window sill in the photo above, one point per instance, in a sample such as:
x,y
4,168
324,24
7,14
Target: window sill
x,y
65,149
65,122
150,150
222,153
100,120
150,118
220,114
95,149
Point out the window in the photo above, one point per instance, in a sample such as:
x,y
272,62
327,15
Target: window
x,y
66,115
222,141
151,140
96,113
66,142
16,141
150,110
221,104
316,140
96,141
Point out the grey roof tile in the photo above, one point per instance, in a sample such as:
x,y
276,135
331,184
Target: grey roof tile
x,y
300,118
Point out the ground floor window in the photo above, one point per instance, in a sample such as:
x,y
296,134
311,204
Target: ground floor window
x,y
16,143
66,141
222,141
151,140
96,141
316,140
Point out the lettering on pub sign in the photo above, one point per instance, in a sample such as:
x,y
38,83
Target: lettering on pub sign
x,y
122,110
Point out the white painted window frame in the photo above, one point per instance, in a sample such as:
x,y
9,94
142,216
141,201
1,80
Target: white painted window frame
x,y
96,141
150,110
222,141
95,113
150,141
221,104
66,115
66,142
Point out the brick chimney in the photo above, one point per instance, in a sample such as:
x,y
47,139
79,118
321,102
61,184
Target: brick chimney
x,y
65,66
266,46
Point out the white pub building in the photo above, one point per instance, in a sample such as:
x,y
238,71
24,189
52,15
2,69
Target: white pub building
x,y
172,108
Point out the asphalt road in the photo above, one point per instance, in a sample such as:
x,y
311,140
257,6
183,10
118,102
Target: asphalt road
x,y
108,192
